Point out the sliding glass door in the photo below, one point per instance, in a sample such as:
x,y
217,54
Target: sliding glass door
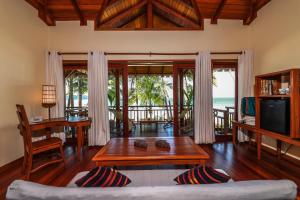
x,y
118,99
183,79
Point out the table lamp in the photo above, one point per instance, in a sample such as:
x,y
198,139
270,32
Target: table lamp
x,y
48,97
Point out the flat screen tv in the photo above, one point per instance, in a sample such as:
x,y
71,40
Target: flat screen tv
x,y
275,115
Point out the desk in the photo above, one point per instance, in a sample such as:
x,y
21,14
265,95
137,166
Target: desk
x,y
78,122
258,137
252,128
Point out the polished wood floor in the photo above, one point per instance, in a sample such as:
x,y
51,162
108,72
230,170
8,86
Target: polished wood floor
x,y
240,165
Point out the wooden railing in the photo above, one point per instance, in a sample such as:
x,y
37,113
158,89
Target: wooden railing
x,y
222,118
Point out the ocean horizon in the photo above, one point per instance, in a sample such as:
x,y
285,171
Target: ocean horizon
x,y
222,102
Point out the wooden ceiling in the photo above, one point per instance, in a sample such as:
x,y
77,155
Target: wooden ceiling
x,y
147,14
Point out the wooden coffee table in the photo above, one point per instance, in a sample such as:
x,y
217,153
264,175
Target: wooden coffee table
x,y
122,152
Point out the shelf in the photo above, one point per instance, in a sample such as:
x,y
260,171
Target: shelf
x,y
275,96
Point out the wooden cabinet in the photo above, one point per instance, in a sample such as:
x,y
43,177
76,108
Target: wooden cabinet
x,y
280,85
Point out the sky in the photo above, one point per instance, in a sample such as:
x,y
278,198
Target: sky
x,y
225,84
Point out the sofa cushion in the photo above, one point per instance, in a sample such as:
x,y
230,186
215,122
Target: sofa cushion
x,y
201,175
103,177
141,178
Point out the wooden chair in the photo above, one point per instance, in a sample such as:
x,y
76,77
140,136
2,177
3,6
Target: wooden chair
x,y
33,148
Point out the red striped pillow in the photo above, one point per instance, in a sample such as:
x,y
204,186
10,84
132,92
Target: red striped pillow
x,y
201,175
103,177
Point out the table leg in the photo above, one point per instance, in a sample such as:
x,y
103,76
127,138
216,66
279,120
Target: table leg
x,y
279,149
80,139
258,144
140,127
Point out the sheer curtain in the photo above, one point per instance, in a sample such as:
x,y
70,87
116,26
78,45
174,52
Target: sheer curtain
x,y
204,120
245,85
54,76
98,106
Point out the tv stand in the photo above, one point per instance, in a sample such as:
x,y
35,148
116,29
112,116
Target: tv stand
x,y
258,137
269,86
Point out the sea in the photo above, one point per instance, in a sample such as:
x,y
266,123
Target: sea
x,y
218,103
222,102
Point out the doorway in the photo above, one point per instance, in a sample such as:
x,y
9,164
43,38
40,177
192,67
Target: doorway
x,y
225,95
151,98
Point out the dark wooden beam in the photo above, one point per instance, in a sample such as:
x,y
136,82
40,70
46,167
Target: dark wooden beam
x,y
252,12
119,19
214,19
149,14
75,5
174,16
100,13
198,13
44,13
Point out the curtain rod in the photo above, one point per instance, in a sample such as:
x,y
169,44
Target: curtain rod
x,y
153,53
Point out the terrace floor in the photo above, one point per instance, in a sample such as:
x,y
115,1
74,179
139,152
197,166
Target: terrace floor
x,y
150,131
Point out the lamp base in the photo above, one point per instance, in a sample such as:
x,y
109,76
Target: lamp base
x,y
48,106
49,113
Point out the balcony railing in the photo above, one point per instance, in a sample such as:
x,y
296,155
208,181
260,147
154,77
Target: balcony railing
x,y
223,120
164,114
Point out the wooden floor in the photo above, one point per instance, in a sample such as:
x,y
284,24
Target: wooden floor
x,y
240,165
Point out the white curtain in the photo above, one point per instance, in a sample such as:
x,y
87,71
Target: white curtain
x,y
204,120
54,76
98,103
245,83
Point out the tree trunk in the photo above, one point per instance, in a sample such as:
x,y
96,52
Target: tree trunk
x,y
80,84
71,93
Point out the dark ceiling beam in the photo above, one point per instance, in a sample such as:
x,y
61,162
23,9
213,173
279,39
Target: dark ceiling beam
x,y
100,13
173,16
83,21
149,14
252,14
44,13
214,19
198,13
119,18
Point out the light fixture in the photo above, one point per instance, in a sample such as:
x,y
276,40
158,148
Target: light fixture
x,y
48,97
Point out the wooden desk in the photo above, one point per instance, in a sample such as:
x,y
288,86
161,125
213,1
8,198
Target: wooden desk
x,y
252,128
77,122
122,152
258,137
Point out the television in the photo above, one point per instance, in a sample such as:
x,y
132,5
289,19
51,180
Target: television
x,y
275,115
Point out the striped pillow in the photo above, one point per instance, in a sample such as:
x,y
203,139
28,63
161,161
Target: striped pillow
x,y
201,175
103,177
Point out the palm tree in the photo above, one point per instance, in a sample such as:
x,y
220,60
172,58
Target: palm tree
x,y
111,90
148,91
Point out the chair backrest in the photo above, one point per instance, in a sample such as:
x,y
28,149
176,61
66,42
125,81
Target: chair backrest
x,y
24,127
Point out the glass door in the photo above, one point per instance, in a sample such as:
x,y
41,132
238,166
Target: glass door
x,y
118,99
183,78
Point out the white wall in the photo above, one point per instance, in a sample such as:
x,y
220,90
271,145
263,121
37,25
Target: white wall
x,y
23,39
226,36
275,38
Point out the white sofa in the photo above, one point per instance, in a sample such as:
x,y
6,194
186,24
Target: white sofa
x,y
157,185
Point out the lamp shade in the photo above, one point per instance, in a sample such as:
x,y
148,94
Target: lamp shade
x,y
48,95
